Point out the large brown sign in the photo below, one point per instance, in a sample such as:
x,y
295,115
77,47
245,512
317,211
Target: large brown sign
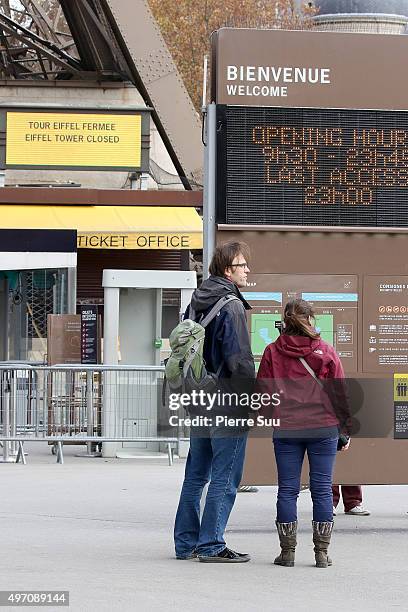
x,y
311,131
357,282
309,69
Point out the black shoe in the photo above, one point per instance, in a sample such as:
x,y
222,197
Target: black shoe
x,y
192,555
226,556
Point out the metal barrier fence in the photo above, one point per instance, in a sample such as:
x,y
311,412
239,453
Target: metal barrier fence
x,y
119,406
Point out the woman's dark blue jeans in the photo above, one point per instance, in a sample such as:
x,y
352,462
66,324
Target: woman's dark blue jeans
x,y
289,453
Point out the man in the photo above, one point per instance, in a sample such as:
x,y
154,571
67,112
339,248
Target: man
x,y
352,500
217,456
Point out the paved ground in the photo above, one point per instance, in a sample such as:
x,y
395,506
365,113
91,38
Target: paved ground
x,y
102,529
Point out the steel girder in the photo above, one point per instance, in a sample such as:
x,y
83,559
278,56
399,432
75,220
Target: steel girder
x,y
27,48
157,78
94,39
109,40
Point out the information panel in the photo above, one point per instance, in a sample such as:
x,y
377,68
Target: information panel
x,y
89,335
334,300
294,166
64,339
385,317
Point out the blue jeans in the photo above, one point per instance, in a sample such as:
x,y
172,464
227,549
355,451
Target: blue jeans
x,y
289,453
219,461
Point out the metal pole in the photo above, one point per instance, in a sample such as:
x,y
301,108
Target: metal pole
x,y
89,408
46,409
60,454
62,294
6,416
110,357
54,299
6,321
89,417
13,415
205,74
158,323
170,454
210,177
111,326
72,289
20,454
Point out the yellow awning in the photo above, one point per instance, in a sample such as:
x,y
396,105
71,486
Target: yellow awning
x,y
113,227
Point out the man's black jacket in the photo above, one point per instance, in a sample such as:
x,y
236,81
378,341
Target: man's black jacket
x,y
227,340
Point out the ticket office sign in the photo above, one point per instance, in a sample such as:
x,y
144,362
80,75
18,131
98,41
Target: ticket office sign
x,y
81,141
134,240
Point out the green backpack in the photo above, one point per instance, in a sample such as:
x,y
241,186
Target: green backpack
x,y
185,368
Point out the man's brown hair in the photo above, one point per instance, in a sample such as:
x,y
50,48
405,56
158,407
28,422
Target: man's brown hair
x,y
225,254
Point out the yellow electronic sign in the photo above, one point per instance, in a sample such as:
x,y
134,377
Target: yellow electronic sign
x,y
400,387
84,140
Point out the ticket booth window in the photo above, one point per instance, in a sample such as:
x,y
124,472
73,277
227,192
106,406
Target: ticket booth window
x,y
32,296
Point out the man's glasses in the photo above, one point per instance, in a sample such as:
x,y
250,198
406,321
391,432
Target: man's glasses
x,y
240,265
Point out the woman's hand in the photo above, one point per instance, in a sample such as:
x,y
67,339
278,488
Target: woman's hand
x,y
346,446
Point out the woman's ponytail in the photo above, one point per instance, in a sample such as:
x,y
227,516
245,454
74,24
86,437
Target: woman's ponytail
x,y
296,319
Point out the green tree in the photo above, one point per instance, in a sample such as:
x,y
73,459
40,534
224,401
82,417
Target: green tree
x,y
187,25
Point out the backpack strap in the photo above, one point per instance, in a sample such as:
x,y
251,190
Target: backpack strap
x,y
311,371
207,319
216,309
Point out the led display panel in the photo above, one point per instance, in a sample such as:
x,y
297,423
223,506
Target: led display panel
x,y
309,166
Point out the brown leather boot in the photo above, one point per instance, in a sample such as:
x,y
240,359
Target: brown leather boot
x,y
287,537
321,538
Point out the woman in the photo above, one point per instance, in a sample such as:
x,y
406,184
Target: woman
x,y
308,374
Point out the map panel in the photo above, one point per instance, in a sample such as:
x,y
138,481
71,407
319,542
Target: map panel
x,y
334,300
